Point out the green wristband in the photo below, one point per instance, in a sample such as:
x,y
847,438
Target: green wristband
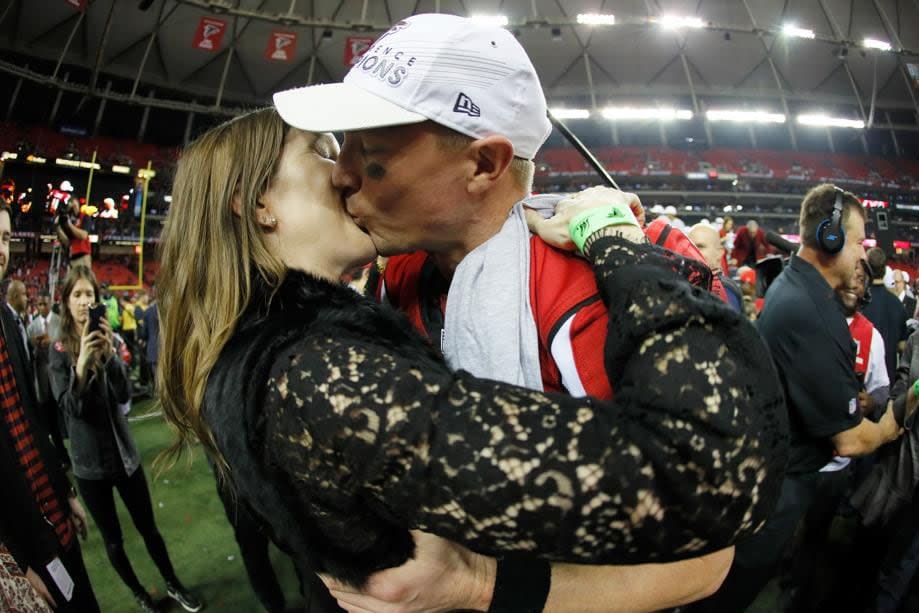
x,y
582,226
916,387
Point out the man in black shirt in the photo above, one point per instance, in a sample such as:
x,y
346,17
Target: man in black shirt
x,y
903,292
886,312
804,325
40,516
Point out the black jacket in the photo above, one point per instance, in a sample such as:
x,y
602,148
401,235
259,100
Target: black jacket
x,y
889,317
101,445
23,529
343,429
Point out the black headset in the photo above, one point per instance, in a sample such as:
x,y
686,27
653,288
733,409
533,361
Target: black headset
x,y
831,236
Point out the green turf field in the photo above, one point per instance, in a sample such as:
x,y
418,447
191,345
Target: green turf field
x,y
199,539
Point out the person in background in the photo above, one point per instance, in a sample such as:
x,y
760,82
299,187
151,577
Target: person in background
x,y
40,516
90,383
112,308
749,245
43,330
752,305
17,301
807,593
129,326
73,234
892,559
671,213
904,293
804,325
706,239
144,377
727,234
150,332
108,209
886,312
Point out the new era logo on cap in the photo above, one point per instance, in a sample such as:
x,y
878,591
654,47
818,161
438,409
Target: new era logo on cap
x,y
465,105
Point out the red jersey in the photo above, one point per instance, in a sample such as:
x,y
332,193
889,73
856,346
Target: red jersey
x,y
861,330
79,248
570,317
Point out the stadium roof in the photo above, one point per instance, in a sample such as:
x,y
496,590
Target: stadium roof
x,y
692,54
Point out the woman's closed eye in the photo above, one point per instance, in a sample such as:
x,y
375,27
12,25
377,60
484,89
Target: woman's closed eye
x,y
326,147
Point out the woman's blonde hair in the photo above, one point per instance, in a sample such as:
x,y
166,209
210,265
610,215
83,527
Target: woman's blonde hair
x,y
70,333
210,256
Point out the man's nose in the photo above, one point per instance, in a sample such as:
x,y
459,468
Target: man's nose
x,y
344,179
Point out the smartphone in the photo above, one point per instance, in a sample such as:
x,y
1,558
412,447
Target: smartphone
x,y
96,313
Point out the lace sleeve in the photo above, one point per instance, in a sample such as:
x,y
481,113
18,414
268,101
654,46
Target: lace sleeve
x,y
686,460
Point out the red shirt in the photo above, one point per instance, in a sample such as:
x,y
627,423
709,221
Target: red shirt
x,y
862,330
79,247
570,317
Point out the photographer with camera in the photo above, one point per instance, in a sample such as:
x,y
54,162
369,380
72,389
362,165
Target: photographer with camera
x,y
90,384
73,234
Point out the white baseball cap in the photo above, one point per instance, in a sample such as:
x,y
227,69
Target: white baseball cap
x,y
473,78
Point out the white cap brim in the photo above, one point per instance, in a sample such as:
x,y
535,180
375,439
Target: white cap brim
x,y
339,107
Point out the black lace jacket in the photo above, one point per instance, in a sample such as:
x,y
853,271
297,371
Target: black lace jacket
x,y
343,430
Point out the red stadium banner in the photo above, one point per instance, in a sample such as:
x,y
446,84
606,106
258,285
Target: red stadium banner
x,y
281,46
209,34
355,47
77,4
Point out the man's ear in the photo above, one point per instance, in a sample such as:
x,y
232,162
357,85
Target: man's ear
x,y
492,156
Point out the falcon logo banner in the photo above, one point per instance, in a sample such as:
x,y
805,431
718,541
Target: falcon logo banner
x,y
355,48
281,46
209,34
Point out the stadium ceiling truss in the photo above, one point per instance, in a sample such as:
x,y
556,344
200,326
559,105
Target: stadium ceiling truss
x,y
700,54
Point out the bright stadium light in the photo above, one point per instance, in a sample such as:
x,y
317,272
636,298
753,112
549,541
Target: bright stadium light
x,y
744,116
490,20
561,113
820,119
616,113
794,31
673,22
596,19
873,43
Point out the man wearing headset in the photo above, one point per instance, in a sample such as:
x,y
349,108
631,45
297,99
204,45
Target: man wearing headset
x,y
804,325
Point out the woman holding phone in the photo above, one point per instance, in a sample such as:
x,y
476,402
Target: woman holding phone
x,y
90,384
